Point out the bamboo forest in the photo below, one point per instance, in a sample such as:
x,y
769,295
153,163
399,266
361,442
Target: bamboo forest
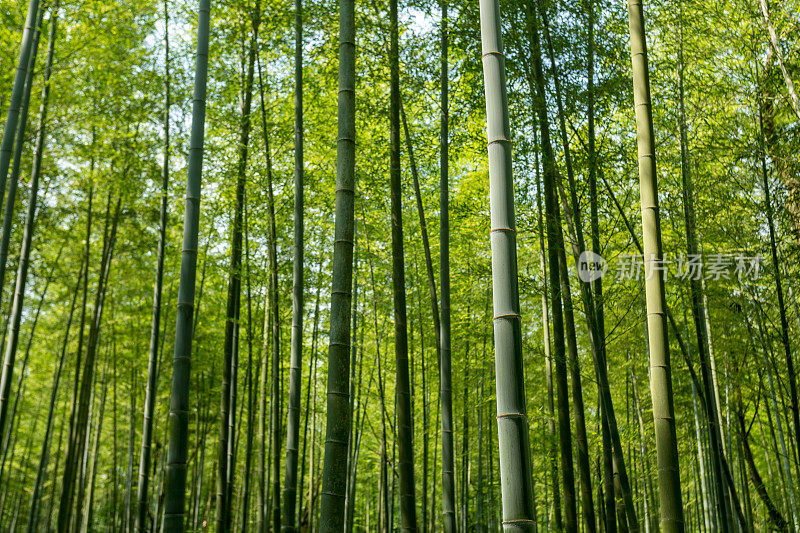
x,y
407,266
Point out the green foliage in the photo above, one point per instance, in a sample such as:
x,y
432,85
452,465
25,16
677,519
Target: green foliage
x,y
104,132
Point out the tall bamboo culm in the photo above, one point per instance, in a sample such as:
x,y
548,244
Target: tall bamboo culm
x,y
445,371
295,367
337,431
404,424
35,504
17,89
13,337
669,485
178,450
512,418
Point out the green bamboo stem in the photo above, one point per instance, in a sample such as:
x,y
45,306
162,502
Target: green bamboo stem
x,y
337,431
155,321
177,453
6,378
660,370
295,365
512,419
405,430
10,128
445,368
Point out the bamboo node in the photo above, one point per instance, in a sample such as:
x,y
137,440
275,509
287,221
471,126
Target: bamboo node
x,y
511,415
507,315
493,53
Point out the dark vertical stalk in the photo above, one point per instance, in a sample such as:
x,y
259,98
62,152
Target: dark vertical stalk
x,y
11,344
33,518
405,435
76,448
548,359
554,242
10,128
224,516
155,321
791,375
337,432
245,523
597,285
177,454
89,508
445,378
698,310
355,393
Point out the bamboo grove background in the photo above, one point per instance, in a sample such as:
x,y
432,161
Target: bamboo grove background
x,y
724,114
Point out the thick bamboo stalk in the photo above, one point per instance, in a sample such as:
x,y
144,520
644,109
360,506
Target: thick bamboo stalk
x,y
16,165
177,454
660,370
35,173
405,429
337,432
6,377
512,419
10,127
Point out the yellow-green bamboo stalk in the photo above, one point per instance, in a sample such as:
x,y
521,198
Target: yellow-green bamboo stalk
x,y
512,418
669,484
